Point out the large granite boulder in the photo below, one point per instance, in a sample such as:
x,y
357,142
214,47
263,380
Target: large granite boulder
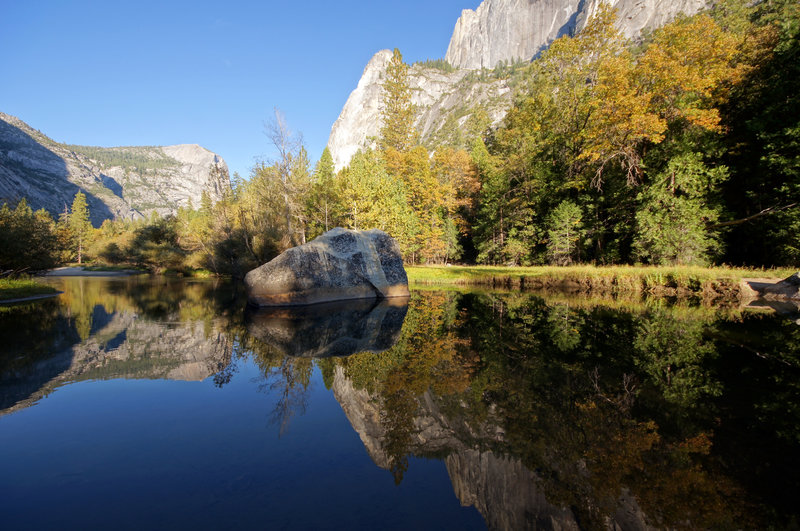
x,y
330,329
338,265
788,288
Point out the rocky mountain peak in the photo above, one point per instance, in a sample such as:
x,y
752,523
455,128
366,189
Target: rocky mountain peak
x,y
119,182
514,30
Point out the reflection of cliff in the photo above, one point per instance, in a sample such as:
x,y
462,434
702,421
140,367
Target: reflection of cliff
x,y
127,346
507,494
503,490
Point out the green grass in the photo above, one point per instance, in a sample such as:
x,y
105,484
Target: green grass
x,y
678,279
19,288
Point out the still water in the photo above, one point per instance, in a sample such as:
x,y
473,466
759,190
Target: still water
x,y
139,403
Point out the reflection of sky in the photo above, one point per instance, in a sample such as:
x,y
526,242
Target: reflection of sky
x,y
139,453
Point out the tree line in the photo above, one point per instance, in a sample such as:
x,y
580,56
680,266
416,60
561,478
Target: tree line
x,y
680,149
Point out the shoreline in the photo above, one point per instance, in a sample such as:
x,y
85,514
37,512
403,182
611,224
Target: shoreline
x,y
78,271
31,298
682,282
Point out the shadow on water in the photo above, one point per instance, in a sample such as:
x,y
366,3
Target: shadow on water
x,y
35,172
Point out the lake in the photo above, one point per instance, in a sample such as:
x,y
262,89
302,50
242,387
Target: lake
x,y
153,403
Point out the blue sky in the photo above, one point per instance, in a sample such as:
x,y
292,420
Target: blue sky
x,y
210,73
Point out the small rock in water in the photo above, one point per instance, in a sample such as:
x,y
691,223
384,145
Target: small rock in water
x,y
338,265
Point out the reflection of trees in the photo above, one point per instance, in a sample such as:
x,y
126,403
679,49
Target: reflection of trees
x,y
675,356
290,381
604,404
428,355
285,377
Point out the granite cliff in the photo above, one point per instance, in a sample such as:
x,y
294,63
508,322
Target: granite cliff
x,y
511,30
119,182
498,32
438,97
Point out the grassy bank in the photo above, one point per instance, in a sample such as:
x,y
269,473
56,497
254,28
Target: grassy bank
x,y
23,287
677,280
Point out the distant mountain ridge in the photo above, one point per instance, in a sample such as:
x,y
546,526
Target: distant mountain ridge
x,y
498,32
119,182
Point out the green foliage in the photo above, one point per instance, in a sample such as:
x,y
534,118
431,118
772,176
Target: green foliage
x,y
140,159
397,112
762,117
564,231
28,239
79,224
155,246
17,288
436,64
676,210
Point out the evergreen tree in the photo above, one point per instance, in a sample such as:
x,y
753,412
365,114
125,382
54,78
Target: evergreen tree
x,y
323,200
397,112
79,224
672,222
564,233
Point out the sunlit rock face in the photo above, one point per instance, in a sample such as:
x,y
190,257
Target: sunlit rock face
x,y
435,94
364,413
497,31
330,329
123,182
513,30
506,493
338,265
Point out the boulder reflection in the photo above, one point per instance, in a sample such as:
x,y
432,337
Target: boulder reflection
x,y
330,329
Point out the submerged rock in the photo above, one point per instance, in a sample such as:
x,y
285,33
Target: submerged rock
x,y
338,265
330,329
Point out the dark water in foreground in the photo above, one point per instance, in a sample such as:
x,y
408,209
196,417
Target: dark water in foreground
x,y
144,404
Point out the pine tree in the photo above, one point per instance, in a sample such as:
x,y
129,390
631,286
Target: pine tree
x,y
323,197
564,233
397,112
79,223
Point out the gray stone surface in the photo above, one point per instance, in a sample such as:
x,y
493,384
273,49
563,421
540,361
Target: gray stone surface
x,y
128,346
509,30
49,174
788,288
435,95
330,329
338,265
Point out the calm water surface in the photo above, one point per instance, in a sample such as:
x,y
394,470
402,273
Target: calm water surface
x,y
139,403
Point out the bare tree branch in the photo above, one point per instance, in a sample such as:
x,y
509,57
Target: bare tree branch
x,y
766,211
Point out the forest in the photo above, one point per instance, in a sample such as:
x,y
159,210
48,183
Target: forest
x,y
683,148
